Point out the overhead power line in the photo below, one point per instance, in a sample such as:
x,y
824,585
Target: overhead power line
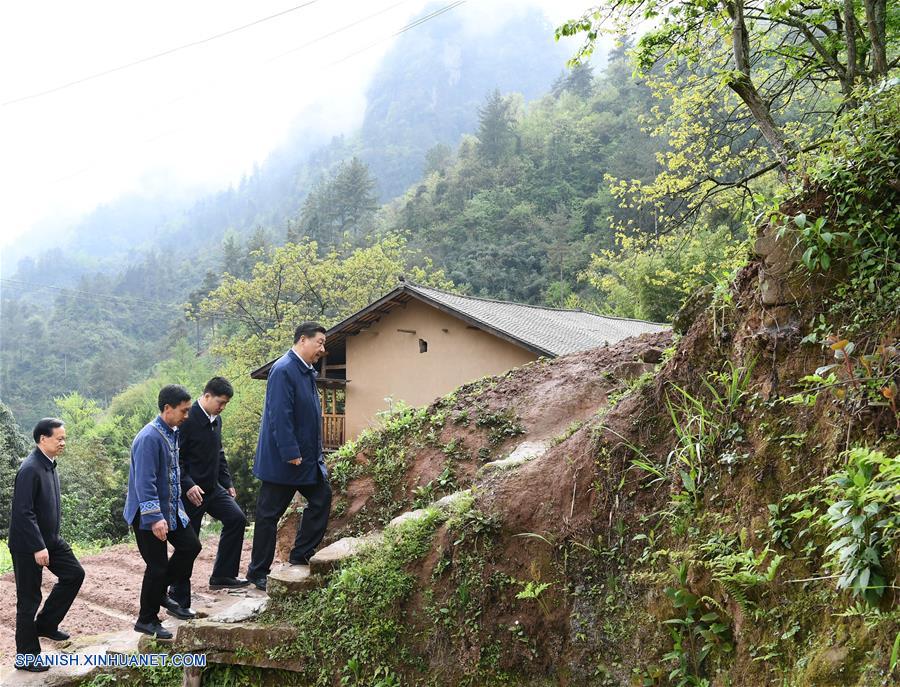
x,y
418,22
164,53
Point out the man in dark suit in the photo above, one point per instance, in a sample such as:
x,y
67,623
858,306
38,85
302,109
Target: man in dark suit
x,y
207,488
35,544
289,455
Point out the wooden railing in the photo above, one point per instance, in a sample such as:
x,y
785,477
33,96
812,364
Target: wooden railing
x,y
332,431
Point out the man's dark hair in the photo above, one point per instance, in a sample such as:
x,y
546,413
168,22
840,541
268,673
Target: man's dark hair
x,y
307,329
219,386
172,395
45,427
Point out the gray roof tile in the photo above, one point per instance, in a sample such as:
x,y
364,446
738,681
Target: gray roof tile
x,y
555,331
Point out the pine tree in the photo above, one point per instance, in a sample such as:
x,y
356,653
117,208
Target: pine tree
x,y
315,215
293,233
495,128
354,198
259,247
231,254
579,81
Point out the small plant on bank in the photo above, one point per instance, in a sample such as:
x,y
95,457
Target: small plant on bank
x,y
533,590
865,516
699,632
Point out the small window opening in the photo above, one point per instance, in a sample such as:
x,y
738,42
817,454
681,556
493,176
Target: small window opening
x,y
423,346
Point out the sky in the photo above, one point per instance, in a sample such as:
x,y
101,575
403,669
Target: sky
x,y
192,120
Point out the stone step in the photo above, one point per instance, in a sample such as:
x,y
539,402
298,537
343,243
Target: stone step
x,y
524,452
291,579
332,556
245,644
447,501
409,515
243,610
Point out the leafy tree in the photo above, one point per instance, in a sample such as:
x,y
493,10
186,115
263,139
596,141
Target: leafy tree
x,y
13,448
524,227
93,474
649,278
437,158
738,71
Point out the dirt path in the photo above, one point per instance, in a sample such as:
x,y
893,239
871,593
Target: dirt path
x,y
108,600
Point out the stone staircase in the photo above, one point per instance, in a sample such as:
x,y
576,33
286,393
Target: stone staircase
x,y
236,638
239,639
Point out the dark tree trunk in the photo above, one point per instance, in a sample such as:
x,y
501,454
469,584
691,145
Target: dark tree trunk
x,y
875,23
745,89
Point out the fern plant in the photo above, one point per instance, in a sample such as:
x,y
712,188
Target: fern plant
x,y
864,514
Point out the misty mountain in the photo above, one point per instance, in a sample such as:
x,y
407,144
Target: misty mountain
x,y
425,92
431,83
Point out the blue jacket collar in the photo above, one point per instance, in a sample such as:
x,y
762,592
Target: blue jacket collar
x,y
171,433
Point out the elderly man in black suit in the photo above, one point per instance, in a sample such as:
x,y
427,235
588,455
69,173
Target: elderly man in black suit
x,y
35,544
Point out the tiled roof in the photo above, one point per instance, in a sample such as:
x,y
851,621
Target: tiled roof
x,y
555,332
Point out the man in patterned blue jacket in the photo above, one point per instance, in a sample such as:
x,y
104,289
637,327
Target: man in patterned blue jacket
x,y
289,454
153,508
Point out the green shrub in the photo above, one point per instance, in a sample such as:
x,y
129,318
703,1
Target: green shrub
x,y
864,513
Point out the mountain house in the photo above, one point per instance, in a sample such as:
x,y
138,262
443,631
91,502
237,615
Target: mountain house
x,y
417,343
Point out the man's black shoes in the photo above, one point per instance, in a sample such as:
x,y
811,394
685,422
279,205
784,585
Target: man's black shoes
x,y
56,635
173,608
155,629
299,561
227,582
34,667
258,582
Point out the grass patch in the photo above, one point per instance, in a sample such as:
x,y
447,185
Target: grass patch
x,y
356,626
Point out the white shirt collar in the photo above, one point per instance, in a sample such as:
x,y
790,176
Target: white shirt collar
x,y
212,418
300,358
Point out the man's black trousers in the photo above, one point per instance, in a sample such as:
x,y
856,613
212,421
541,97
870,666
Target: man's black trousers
x,y
228,556
69,574
272,502
162,571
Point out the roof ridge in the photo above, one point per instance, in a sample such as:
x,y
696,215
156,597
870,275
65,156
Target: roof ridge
x,y
413,284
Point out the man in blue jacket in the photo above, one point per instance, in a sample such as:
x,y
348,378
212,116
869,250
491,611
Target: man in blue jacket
x,y
153,508
289,455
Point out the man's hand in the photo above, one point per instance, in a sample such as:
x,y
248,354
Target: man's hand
x,y
160,529
296,461
42,558
232,492
195,495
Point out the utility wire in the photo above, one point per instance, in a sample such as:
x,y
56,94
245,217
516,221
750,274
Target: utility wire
x,y
156,56
317,39
404,29
208,86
